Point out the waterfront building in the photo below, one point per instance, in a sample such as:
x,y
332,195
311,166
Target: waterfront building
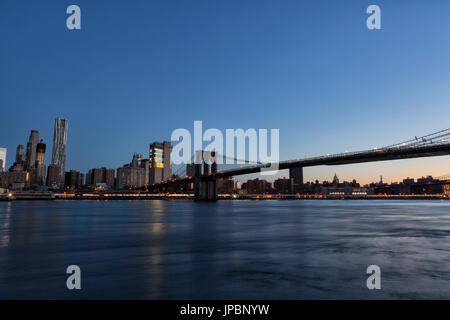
x,y
428,185
336,190
446,189
54,176
135,174
129,177
284,186
258,186
73,179
17,177
16,180
160,162
59,146
225,185
101,175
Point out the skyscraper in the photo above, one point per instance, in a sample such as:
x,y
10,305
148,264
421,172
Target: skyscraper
x,y
297,175
40,165
2,159
167,160
31,148
20,155
59,146
160,162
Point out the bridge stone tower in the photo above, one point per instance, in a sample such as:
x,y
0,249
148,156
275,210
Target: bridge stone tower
x,y
205,186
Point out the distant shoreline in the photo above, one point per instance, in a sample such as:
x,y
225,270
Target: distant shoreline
x,y
190,197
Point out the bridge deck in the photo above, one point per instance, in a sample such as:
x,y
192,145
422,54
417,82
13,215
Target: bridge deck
x,y
384,154
348,158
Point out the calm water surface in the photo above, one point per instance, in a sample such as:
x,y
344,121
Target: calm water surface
x,y
225,250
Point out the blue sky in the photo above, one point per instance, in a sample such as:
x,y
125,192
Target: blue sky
x,y
138,70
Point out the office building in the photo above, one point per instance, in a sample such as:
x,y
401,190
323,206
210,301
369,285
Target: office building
x,y
258,186
54,176
2,159
160,162
38,176
73,179
225,185
59,146
31,149
133,175
20,154
101,176
16,180
284,186
297,175
20,163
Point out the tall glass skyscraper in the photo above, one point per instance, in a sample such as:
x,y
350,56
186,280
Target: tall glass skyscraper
x,y
31,148
59,146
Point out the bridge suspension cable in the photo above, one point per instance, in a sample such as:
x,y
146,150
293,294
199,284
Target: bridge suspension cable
x,y
443,135
239,160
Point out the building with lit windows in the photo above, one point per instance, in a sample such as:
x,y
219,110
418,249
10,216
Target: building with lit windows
x,y
160,162
38,176
16,180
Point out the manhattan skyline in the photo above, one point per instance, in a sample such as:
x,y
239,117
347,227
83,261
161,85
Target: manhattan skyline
x,y
314,71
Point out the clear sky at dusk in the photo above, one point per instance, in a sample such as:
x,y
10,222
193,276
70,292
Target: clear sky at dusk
x,y
140,69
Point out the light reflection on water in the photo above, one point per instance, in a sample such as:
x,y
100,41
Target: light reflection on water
x,y
229,249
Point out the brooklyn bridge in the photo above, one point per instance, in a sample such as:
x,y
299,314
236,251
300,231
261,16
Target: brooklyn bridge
x,y
206,171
